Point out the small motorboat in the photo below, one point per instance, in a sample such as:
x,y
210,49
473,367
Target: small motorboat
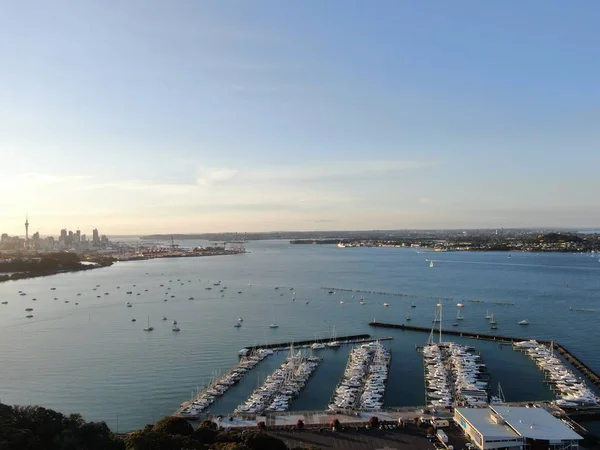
x,y
237,325
523,322
273,325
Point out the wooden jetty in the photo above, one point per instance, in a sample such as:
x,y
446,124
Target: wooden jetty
x,y
592,376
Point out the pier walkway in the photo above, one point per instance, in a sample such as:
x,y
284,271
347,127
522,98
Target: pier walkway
x,y
350,339
590,374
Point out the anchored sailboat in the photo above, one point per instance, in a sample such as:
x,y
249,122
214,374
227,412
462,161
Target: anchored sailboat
x,y
148,328
459,315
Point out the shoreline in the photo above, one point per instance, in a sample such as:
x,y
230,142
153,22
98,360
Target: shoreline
x,y
99,264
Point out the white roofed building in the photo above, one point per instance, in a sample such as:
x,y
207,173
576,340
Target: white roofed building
x,y
503,427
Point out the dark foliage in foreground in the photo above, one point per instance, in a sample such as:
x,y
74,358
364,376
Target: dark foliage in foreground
x,y
37,428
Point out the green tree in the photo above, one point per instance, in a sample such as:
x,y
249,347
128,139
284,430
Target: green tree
x,y
174,426
263,441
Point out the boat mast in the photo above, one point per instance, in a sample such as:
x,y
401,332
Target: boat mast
x,y
440,305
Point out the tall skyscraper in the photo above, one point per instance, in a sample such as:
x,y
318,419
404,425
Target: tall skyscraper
x,y
63,236
77,236
95,237
26,232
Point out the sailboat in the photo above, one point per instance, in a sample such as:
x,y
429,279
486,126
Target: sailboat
x,y
499,398
408,316
431,264
459,307
487,315
333,342
175,327
492,320
523,322
148,328
412,305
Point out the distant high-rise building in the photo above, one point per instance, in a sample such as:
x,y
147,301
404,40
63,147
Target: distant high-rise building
x,y
77,236
83,238
63,236
70,238
4,238
36,236
95,237
26,232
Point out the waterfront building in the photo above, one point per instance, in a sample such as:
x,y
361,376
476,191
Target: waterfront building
x,y
512,427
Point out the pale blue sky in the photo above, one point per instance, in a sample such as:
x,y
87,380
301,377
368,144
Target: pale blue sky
x,y
190,116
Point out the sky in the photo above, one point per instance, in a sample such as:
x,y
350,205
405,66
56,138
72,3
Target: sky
x,y
147,116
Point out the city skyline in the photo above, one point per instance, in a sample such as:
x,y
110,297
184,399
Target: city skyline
x,y
196,117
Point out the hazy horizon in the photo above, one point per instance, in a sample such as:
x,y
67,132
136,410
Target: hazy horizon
x,y
150,117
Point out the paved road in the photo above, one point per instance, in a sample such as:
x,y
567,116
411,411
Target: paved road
x,y
357,440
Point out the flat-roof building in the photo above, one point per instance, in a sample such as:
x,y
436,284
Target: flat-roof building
x,y
503,427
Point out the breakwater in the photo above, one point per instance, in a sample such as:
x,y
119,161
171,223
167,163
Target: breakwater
x,y
592,376
350,339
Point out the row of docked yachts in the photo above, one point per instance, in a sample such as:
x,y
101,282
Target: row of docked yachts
x,y
571,390
282,386
221,385
453,372
364,380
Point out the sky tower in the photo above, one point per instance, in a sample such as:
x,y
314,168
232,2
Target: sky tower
x,y
26,232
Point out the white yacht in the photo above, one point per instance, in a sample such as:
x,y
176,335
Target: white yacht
x,y
273,325
317,346
431,264
386,304
523,322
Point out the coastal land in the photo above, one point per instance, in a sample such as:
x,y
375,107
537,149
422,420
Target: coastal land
x,y
27,265
523,240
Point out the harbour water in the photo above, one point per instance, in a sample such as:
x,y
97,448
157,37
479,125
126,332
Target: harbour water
x,y
90,358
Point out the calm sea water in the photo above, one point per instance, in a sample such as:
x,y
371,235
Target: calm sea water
x,y
90,358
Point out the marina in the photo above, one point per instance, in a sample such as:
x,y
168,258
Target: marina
x,y
363,384
192,410
282,386
590,374
454,375
571,390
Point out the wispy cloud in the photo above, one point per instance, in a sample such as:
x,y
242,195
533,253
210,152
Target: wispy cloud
x,y
34,180
270,176
212,175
